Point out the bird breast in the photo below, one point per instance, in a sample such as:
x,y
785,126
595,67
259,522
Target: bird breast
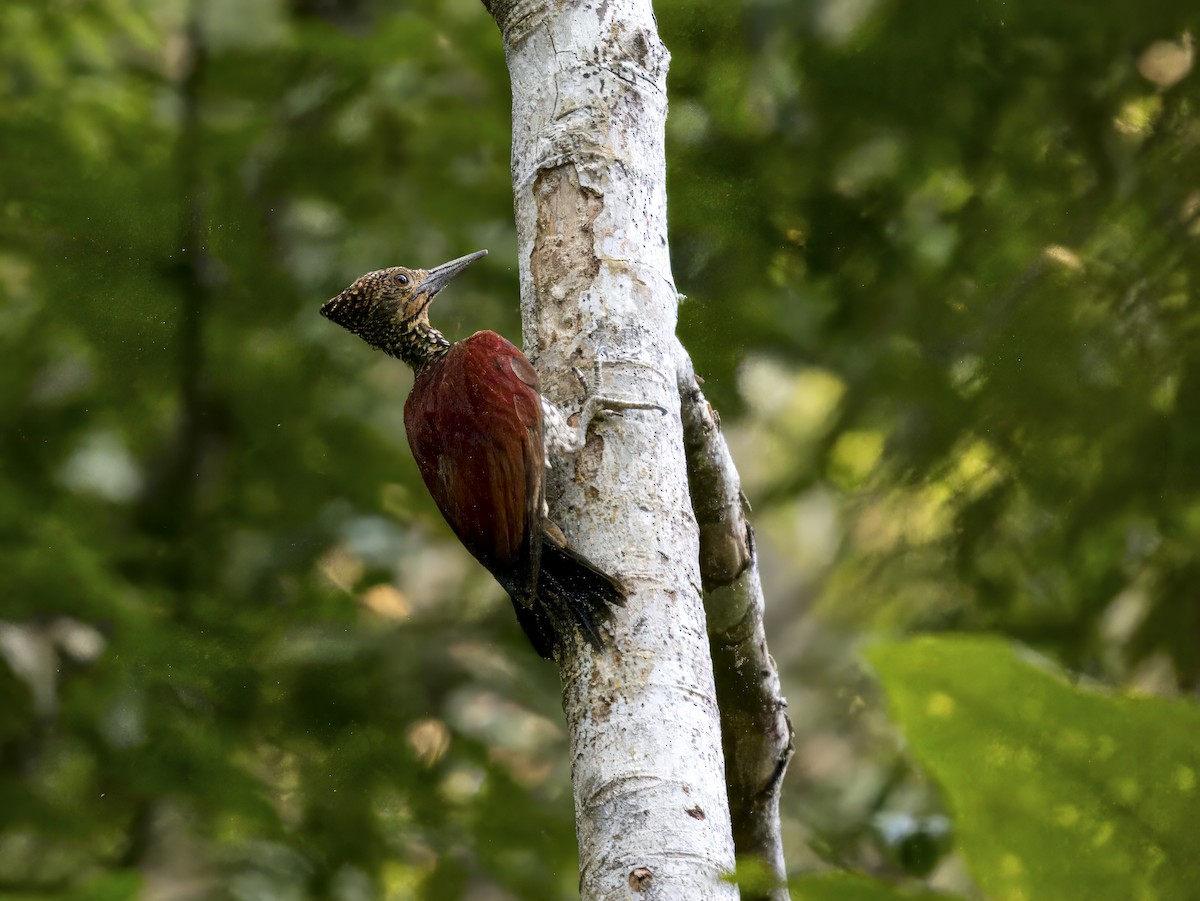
x,y
474,423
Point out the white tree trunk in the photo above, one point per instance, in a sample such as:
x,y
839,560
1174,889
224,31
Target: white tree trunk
x,y
589,107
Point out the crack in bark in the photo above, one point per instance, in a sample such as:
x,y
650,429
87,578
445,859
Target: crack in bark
x,y
553,49
635,81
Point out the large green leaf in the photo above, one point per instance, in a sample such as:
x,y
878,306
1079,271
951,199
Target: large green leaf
x,y
1058,791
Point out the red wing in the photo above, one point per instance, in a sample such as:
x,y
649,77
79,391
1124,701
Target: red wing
x,y
474,423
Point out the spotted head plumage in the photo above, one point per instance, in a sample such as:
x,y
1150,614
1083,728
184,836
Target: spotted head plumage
x,y
378,303
389,309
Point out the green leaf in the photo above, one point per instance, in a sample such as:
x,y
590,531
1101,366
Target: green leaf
x,y
1057,791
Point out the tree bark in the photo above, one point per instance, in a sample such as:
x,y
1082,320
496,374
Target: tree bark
x,y
589,179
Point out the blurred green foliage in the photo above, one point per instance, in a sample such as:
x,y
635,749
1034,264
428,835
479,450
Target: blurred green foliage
x,y
942,266
846,887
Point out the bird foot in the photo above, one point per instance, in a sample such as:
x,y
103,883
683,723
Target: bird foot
x,y
561,436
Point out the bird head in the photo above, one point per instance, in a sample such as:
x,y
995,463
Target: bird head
x,y
388,306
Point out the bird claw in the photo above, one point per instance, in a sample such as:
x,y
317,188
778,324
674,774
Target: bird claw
x,y
582,378
571,439
592,387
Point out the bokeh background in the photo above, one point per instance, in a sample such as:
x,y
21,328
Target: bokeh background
x,y
941,264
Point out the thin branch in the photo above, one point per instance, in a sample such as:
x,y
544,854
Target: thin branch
x,y
756,732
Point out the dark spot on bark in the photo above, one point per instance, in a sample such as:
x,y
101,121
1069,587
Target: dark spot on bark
x,y
640,879
695,812
641,47
602,709
723,556
602,703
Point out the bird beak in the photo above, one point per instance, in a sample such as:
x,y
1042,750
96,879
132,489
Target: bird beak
x,y
438,277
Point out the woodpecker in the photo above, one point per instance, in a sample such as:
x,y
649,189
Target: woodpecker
x,y
479,428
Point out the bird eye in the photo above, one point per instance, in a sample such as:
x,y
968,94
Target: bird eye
x,y
400,279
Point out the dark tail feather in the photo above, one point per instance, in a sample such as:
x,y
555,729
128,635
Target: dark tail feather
x,y
572,595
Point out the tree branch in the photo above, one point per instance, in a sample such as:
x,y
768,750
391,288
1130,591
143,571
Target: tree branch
x,y
755,729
